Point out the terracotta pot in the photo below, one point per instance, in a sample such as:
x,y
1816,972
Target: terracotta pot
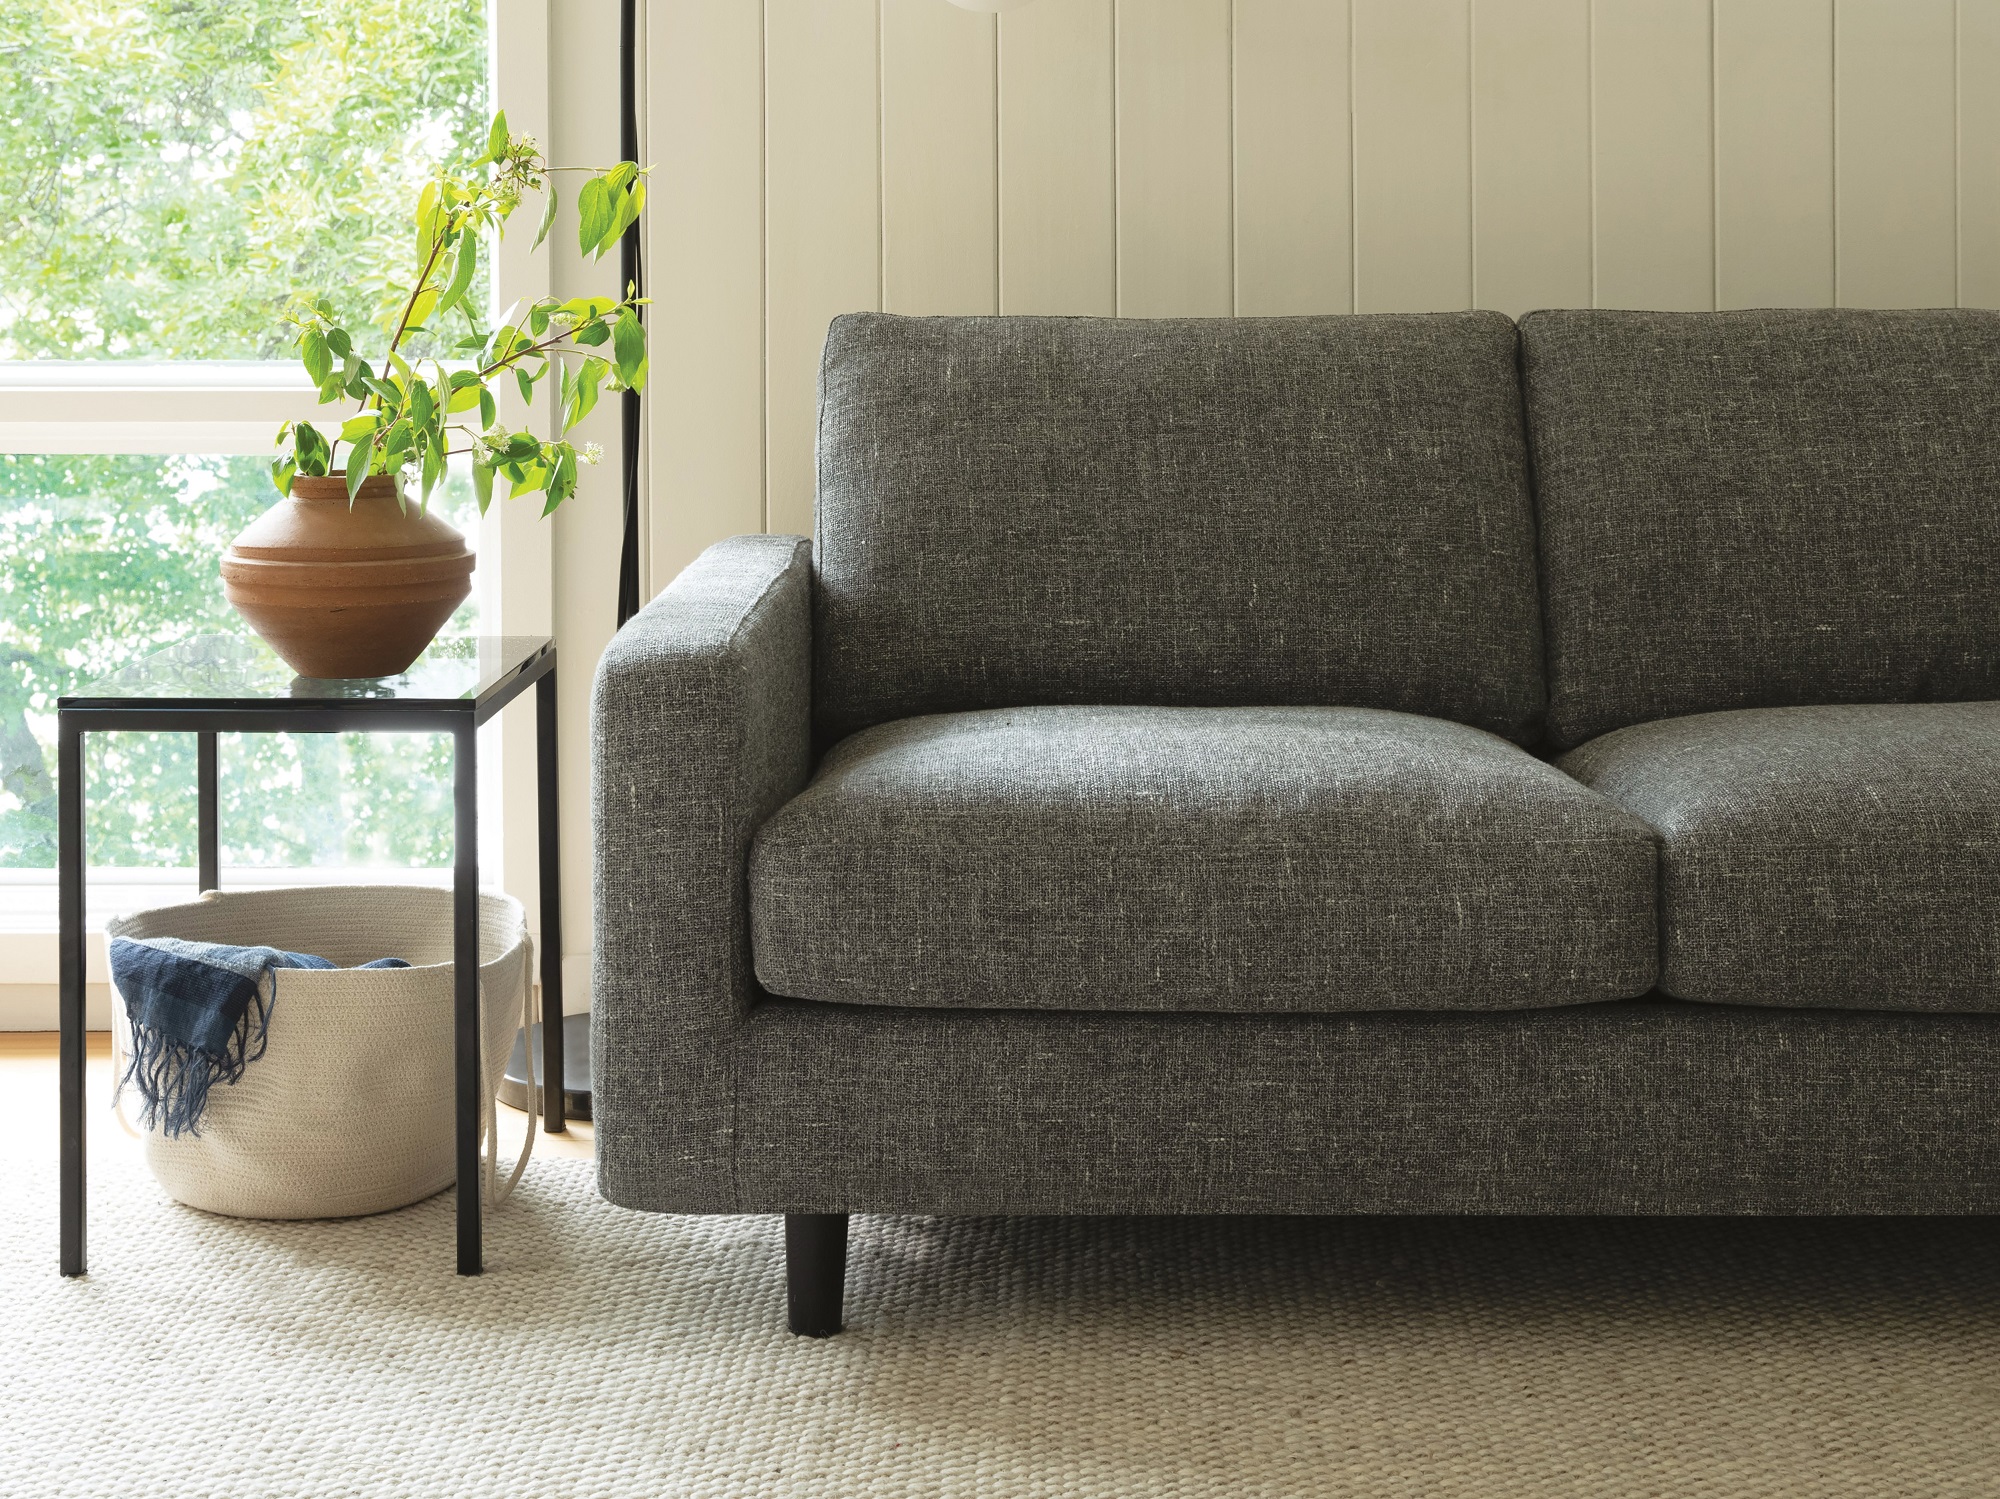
x,y
342,592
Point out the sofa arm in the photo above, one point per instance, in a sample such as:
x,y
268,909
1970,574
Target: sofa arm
x,y
700,729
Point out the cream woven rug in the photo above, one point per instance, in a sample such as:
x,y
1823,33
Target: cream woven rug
x,y
612,1353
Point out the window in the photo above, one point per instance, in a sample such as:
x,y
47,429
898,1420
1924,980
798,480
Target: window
x,y
179,168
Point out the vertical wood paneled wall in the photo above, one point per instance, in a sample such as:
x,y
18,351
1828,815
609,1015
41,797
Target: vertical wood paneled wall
x,y
1154,158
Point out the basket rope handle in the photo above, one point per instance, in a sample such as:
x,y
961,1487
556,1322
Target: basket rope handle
x,y
489,1158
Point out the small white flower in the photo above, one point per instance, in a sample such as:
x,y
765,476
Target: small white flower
x,y
592,452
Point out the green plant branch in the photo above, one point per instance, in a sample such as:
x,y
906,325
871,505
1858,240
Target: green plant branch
x,y
403,323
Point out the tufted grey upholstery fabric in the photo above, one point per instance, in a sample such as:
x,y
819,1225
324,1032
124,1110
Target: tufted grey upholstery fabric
x,y
1115,858
699,729
1199,511
1763,509
1821,856
1631,1107
1287,528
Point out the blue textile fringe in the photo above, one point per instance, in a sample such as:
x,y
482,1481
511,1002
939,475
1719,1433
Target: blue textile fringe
x,y
199,1017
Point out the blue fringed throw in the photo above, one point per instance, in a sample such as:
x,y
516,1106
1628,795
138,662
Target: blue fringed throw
x,y
198,1016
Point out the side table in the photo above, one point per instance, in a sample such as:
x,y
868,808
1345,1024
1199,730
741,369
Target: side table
x,y
220,684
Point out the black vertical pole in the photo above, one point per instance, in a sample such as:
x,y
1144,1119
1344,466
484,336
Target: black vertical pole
x,y
631,284
208,841
466,1030
547,794
70,1046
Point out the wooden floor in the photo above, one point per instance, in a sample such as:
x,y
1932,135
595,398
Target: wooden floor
x,y
28,1083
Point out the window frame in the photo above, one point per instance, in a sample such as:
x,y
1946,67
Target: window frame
x,y
236,407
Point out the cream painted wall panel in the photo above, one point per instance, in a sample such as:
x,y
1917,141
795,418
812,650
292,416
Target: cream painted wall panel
x,y
1531,154
1412,155
940,211
705,265
1774,153
1653,151
1895,126
1058,178
1979,153
589,530
1175,216
823,219
1293,152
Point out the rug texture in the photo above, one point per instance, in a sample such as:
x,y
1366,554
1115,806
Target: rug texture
x,y
608,1353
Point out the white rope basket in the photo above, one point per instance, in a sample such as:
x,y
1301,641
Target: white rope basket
x,y
349,1110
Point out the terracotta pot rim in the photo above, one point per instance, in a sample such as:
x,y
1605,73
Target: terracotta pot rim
x,y
314,488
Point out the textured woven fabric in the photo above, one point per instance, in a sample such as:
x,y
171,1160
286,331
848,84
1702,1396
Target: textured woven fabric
x,y
1764,509
1845,855
1629,1107
986,1358
1187,511
1233,859
699,730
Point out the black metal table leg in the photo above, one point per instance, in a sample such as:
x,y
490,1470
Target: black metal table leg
x,y
547,797
69,902
208,842
465,999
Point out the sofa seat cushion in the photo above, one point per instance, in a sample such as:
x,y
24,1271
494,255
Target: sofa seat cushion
x,y
1199,859
1842,856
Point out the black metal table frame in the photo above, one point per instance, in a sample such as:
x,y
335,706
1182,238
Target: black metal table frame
x,y
77,717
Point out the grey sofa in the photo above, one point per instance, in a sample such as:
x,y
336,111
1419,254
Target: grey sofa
x,y
1409,764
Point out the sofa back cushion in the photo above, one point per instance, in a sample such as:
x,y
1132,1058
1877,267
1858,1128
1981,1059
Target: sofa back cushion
x,y
1764,509
1223,512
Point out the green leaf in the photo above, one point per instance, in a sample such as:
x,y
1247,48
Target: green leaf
x,y
584,391
338,341
357,427
595,213
527,383
530,478
359,459
318,358
628,343
396,444
496,137
548,217
621,175
466,396
283,467
462,271
421,404
489,409
421,309
521,446
482,484
562,483
593,332
433,467
311,449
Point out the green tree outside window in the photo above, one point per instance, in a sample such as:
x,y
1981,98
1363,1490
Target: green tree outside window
x,y
172,173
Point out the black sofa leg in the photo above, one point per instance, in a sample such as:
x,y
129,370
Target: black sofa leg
x,y
815,1272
